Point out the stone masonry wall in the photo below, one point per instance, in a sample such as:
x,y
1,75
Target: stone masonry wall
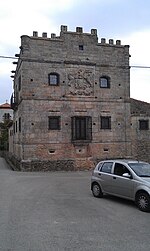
x,y
79,60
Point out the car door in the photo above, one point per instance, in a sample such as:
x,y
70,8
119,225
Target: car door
x,y
105,176
122,186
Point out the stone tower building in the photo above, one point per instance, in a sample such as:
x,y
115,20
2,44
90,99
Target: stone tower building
x,y
71,101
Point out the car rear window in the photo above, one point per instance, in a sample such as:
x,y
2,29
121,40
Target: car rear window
x,y
106,167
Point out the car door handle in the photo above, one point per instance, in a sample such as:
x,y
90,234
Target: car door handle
x,y
114,178
99,174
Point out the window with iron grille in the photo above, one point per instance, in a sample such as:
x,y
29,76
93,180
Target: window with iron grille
x,y
143,124
104,82
54,122
81,128
53,78
105,122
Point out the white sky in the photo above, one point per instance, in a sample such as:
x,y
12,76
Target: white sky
x,y
127,20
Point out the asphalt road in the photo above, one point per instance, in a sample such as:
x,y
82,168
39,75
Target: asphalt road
x,y
56,211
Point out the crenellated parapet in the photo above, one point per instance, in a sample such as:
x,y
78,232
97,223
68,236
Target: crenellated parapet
x,y
110,42
73,48
78,31
64,29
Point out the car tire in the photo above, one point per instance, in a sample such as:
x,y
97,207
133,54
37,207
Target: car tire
x,y
143,201
96,190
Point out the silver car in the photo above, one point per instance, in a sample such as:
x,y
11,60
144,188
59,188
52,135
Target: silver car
x,y
129,179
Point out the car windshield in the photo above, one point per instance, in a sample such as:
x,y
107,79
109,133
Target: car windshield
x,y
141,169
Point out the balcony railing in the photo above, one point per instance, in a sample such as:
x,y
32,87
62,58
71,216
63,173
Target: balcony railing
x,y
14,102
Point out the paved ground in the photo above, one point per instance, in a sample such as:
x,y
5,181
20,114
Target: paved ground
x,y
56,212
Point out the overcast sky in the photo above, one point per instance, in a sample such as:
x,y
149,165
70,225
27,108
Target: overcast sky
x,y
127,20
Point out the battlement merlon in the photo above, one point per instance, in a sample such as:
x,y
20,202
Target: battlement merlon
x,y
79,30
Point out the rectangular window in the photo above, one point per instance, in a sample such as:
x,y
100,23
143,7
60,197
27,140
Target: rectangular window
x,y
143,124
81,47
106,122
54,122
53,79
16,126
19,84
81,128
104,82
19,124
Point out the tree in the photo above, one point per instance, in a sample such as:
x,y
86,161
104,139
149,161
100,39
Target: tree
x,y
4,134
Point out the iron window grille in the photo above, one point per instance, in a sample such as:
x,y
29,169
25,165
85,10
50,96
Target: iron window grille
x,y
81,128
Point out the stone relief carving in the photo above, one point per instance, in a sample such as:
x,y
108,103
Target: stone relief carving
x,y
80,83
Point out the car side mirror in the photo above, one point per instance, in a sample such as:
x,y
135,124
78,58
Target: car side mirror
x,y
127,175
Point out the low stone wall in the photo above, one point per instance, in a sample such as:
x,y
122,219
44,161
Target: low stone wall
x,y
13,162
53,165
44,166
49,165
141,150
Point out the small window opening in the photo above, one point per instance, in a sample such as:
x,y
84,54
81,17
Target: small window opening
x,y
143,124
54,123
81,47
105,122
53,79
104,82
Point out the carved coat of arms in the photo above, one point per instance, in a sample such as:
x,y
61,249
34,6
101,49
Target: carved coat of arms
x,y
80,83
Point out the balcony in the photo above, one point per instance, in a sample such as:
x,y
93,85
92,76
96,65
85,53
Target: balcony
x,y
14,102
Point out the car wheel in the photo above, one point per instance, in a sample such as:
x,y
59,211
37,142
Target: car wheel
x,y
143,202
96,190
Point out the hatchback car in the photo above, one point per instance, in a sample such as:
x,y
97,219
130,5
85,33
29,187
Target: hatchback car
x,y
129,179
